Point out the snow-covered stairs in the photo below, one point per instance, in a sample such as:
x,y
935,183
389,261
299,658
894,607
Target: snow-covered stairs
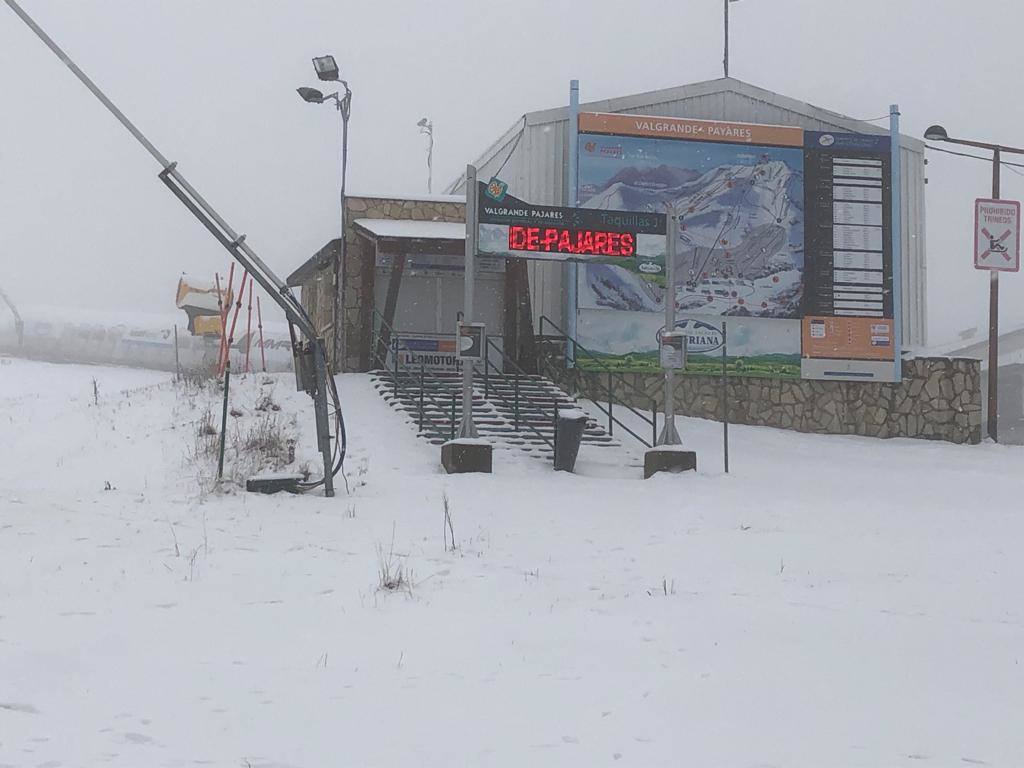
x,y
515,413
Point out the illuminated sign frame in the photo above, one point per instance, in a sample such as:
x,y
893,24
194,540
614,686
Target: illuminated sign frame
x,y
514,228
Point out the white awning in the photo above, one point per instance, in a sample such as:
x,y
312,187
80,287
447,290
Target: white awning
x,y
408,229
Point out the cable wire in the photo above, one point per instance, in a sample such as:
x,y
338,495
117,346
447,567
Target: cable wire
x,y
974,157
511,151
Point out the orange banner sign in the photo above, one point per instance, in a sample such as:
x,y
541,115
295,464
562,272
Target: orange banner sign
x,y
848,338
696,130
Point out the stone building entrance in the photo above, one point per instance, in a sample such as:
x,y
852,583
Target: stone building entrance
x,y
400,267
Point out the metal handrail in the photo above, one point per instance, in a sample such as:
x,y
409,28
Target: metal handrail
x,y
609,390
519,372
514,405
422,395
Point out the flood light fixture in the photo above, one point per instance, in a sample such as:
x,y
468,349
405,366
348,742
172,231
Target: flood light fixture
x,y
326,68
312,95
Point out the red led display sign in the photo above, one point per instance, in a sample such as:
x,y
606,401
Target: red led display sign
x,y
513,228
571,241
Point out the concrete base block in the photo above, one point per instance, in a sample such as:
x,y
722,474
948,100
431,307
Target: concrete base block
x,y
665,459
466,456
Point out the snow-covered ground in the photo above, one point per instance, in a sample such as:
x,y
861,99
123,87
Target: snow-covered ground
x,y
832,602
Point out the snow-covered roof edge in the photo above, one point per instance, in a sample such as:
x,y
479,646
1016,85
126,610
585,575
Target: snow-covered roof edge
x,y
445,198
413,229
976,346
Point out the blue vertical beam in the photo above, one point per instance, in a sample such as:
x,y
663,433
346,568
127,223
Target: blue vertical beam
x,y
572,199
897,239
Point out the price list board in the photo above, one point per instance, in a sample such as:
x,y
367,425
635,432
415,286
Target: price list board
x,y
848,299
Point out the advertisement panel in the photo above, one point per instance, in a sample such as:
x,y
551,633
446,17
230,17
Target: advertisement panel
x,y
776,225
630,341
435,352
854,338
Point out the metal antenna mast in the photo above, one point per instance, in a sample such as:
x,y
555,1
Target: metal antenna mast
x,y
317,382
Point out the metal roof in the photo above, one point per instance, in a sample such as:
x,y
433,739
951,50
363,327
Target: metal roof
x,y
316,262
647,102
532,156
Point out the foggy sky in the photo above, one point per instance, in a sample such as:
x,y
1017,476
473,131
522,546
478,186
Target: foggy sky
x,y
86,223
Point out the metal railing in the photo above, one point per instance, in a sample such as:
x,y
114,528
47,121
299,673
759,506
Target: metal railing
x,y
420,395
420,386
605,379
515,405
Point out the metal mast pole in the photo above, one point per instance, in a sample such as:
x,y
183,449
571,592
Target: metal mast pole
x,y
430,160
19,325
345,109
466,427
572,200
993,324
896,213
725,58
669,434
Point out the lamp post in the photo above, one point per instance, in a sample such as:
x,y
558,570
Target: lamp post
x,y
327,70
725,58
938,133
427,127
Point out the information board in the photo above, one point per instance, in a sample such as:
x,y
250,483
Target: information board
x,y
848,300
786,231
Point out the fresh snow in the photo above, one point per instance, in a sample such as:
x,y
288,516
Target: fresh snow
x,y
415,198
419,230
834,601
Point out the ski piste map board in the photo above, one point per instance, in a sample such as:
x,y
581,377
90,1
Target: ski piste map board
x,y
784,233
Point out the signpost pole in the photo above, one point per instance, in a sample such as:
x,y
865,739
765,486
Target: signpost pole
x,y
466,427
993,324
669,434
572,201
896,231
725,402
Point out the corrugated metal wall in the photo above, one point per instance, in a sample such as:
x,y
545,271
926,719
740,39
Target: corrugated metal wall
x,y
537,167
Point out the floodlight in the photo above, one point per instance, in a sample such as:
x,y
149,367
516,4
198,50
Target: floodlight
x,y
312,95
326,68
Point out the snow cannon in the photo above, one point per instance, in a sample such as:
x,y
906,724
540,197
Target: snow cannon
x,y
203,303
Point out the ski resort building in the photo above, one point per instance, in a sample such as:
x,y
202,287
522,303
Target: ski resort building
x,y
391,289
533,155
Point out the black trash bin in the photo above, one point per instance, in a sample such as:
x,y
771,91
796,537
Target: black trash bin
x,y
569,426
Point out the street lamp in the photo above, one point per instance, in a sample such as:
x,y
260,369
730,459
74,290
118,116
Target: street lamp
x,y
938,133
312,95
427,127
327,70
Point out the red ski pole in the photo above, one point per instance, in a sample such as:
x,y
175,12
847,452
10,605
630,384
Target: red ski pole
x,y
259,324
224,304
248,330
234,322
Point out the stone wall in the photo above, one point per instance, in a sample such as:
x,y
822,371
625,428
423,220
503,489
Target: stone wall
x,y
317,290
938,399
359,269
